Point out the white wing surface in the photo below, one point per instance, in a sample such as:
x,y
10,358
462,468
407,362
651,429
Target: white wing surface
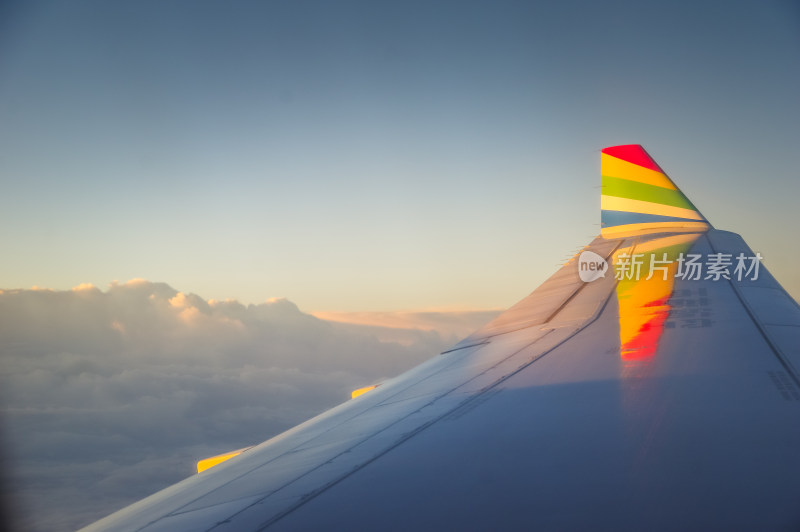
x,y
622,403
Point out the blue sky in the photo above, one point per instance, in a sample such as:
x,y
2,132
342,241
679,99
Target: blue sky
x,y
376,155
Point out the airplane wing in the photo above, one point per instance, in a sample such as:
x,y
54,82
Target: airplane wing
x,y
650,384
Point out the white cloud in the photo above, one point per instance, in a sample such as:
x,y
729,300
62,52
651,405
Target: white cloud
x,y
110,396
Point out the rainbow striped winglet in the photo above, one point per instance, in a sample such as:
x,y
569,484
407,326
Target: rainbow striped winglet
x,y
638,197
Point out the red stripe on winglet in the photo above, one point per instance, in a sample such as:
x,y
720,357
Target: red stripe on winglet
x,y
633,153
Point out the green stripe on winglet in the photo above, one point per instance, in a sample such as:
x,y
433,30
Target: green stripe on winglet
x,y
623,188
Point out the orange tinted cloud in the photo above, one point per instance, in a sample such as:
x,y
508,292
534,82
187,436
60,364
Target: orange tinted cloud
x,y
457,323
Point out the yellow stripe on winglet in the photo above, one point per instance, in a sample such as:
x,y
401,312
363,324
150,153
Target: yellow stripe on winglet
x,y
613,203
612,167
362,391
208,463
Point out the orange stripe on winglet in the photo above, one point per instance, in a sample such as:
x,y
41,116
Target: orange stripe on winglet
x,y
611,166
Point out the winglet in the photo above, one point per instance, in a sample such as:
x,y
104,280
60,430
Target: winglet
x,y
638,197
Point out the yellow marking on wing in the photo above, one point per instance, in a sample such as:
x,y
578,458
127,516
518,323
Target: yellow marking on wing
x,y
208,463
636,300
643,303
362,391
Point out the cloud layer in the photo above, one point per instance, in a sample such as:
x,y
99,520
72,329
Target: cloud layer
x,y
110,396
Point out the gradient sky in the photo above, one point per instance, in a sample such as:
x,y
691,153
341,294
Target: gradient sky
x,y
376,155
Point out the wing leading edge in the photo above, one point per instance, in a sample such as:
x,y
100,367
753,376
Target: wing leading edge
x,y
658,401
